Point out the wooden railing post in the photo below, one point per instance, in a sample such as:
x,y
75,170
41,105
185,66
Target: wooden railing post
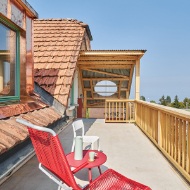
x,y
159,130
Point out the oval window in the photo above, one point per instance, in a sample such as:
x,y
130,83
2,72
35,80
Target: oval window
x,y
105,88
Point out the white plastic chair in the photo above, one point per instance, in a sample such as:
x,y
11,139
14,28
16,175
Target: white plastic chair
x,y
78,124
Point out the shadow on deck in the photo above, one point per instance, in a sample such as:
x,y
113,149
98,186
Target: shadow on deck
x,y
128,151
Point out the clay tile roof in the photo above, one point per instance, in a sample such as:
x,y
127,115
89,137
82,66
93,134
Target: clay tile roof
x,y
57,43
17,109
13,133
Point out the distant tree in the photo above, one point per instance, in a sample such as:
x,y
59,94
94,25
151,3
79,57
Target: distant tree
x,y
168,100
186,103
142,98
175,104
181,105
163,101
152,101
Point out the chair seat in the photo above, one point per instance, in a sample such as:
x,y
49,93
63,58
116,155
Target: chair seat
x,y
89,139
112,180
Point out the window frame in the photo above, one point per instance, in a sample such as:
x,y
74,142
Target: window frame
x,y
16,29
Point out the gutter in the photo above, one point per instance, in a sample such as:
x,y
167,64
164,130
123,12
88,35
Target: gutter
x,y
15,167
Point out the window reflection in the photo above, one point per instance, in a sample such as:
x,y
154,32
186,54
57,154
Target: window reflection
x,y
3,7
16,15
7,61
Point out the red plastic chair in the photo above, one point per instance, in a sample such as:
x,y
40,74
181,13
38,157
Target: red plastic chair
x,y
53,162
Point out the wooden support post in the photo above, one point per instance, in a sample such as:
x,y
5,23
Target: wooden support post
x,y
137,80
159,130
188,148
85,102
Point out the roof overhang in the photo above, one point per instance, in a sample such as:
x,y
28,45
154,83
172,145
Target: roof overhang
x,y
27,7
111,65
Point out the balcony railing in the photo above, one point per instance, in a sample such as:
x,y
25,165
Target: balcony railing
x,y
168,128
119,111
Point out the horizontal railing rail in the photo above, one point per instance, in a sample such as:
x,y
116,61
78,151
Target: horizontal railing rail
x,y
169,130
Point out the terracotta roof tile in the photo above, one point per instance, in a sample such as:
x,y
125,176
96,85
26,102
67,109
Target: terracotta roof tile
x,y
64,65
56,46
2,148
64,90
57,89
12,130
17,109
63,98
52,89
60,81
13,133
6,140
62,72
56,65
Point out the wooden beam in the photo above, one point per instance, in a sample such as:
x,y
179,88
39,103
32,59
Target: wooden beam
x,y
124,89
105,85
92,91
110,58
95,103
112,53
97,98
105,92
105,66
106,73
137,80
119,90
105,78
130,78
106,62
87,89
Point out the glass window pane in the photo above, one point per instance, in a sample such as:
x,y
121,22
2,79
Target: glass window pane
x,y
7,61
105,88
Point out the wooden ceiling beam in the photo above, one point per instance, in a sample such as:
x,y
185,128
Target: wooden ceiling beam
x,y
105,78
112,53
106,73
107,62
106,92
105,66
105,85
111,58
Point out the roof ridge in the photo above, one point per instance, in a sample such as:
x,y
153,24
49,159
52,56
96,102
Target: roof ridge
x,y
62,19
72,20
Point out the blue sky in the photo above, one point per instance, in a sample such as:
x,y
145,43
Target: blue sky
x,y
161,27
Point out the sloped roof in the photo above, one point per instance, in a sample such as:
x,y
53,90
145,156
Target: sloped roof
x,y
57,43
17,109
13,133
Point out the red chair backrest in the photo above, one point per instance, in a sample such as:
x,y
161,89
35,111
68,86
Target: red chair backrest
x,y
51,155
